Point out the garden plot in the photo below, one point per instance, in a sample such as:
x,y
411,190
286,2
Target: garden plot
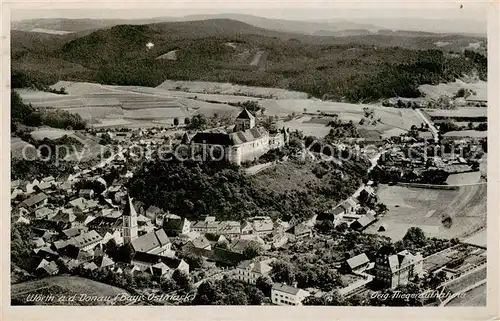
x,y
425,208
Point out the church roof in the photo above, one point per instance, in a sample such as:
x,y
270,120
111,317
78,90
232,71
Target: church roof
x,y
129,208
245,114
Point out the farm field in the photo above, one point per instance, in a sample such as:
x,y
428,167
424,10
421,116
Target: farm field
x,y
459,112
65,285
135,104
227,88
467,133
467,280
308,127
450,89
50,133
91,146
473,298
16,149
480,238
425,207
464,178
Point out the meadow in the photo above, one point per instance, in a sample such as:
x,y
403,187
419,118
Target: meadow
x,y
425,208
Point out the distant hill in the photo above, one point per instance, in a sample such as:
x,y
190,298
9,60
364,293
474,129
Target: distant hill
x,y
352,67
293,26
78,25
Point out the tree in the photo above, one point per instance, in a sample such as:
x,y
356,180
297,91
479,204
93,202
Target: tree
x,y
187,121
255,296
447,221
282,272
176,121
342,227
183,280
414,235
197,122
265,284
251,250
381,208
331,299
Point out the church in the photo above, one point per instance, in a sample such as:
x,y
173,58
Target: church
x,y
246,142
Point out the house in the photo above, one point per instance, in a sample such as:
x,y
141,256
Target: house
x,y
78,255
200,242
247,228
396,269
249,271
152,212
90,266
86,193
79,203
64,216
103,262
363,222
116,236
259,225
43,186
86,241
147,261
47,268
175,225
73,232
278,241
43,212
356,263
155,242
48,179
300,230
280,226
35,201
37,242
349,205
229,228
263,227
283,294
105,224
239,245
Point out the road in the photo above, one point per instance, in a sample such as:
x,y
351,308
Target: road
x,y
433,130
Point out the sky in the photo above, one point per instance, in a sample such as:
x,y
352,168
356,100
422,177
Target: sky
x,y
293,10
385,14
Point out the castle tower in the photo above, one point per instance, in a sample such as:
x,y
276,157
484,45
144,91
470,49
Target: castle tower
x,y
129,222
244,121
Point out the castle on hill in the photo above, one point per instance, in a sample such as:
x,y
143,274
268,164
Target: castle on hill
x,y
246,142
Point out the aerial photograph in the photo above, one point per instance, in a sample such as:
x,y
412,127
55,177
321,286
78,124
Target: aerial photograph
x,y
248,157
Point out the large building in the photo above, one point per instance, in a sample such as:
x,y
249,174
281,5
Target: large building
x,y
247,142
283,294
396,269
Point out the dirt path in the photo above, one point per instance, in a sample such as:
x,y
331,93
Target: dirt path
x,y
260,60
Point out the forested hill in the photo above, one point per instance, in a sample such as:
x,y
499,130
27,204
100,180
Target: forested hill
x,y
352,68
193,189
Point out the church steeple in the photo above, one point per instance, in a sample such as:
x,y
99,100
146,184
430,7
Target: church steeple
x,y
130,228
